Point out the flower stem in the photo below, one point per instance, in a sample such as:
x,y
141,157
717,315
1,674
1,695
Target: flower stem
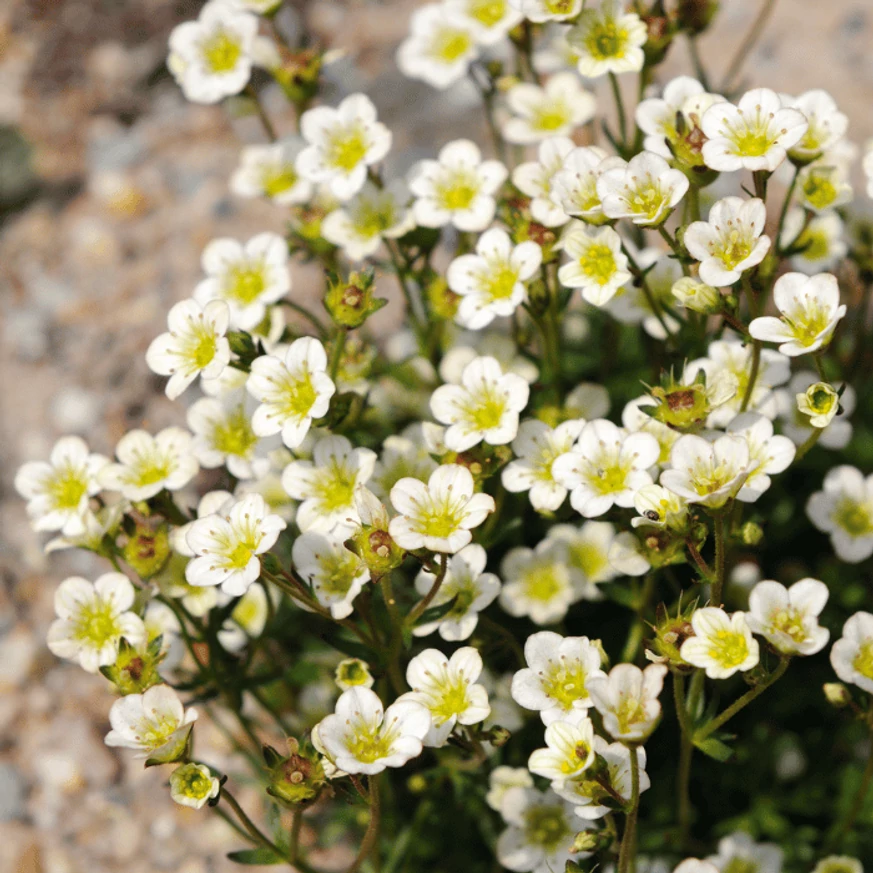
x,y
396,638
842,828
416,612
785,203
808,443
753,374
619,108
269,130
635,637
746,46
253,830
686,750
369,841
629,838
718,581
336,354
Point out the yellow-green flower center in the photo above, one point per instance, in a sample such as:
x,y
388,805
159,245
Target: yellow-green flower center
x,y
67,486
487,12
336,487
809,323
551,117
485,411
450,45
296,396
565,683
598,263
336,573
728,648
588,558
734,249
234,434
370,743
458,191
221,52
499,282
245,283
816,245
190,781
752,142
453,700
854,518
629,712
819,190
96,623
546,826
276,180
606,40
646,199
347,148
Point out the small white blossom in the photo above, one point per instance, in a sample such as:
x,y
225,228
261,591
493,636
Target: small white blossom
x,y
739,850
336,575
838,864
844,509
353,673
635,420
608,40
788,617
645,190
501,779
458,188
658,507
730,242
224,436
540,11
821,240
146,722
820,403
824,185
554,681
826,125
569,752
491,20
722,644
536,179
475,344
555,109
362,737
439,515
796,413
491,282
627,699
768,453
440,46
148,464
341,142
403,455
588,547
597,264
538,583
58,491
810,310
193,785
270,171
92,619
753,135
247,277
606,467
852,653
574,185
696,296
228,546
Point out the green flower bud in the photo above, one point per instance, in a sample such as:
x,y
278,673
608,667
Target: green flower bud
x,y
193,785
416,784
591,841
837,694
695,16
670,633
751,534
135,671
350,303
685,406
695,295
820,402
297,778
371,541
147,549
353,672
498,736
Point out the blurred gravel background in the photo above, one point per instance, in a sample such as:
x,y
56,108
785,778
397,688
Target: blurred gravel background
x,y
110,186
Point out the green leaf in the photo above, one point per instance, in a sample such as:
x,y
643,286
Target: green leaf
x,y
349,647
715,748
256,857
435,613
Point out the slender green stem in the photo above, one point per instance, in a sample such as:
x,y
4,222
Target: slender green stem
x,y
718,581
316,322
702,566
746,46
294,836
619,108
647,291
842,828
686,750
753,375
419,608
262,114
253,830
819,366
372,834
336,354
697,62
808,443
635,637
627,852
784,211
396,639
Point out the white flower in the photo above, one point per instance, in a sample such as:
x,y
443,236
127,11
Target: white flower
x,y
826,124
695,865
708,473
606,467
327,484
227,546
536,448
540,832
555,109
844,509
810,310
824,184
768,454
403,455
335,574
92,619
554,681
483,408
588,548
722,643
608,40
193,785
635,420
796,422
247,277
211,58
491,20
753,135
730,242
628,700
147,464
458,188
58,491
574,185
491,282
440,515
645,190
501,779
739,850
820,402
148,721
353,673
447,689
538,582
569,752
223,436
194,345
372,215
838,864
292,392
597,264
536,179
539,11
822,240
270,171
696,296
341,143
465,582
361,737
440,46
788,617
658,507
95,526
852,653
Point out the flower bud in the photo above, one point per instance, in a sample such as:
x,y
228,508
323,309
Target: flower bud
x,y
670,633
298,73
837,694
147,549
498,736
820,402
350,303
443,301
371,541
193,785
591,841
751,534
353,672
297,778
695,16
417,784
695,295
135,671
685,406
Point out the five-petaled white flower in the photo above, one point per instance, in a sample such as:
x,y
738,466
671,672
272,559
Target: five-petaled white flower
x,y
826,125
292,392
227,546
574,185
810,310
447,688
645,190
569,750
468,585
753,135
554,681
458,188
820,403
536,448
852,653
708,473
247,277
195,344
597,264
555,109
491,20
539,583
540,11
92,619
193,785
438,515
768,453
722,644
362,737
327,484
628,700
606,467
342,142
211,58
588,549
149,721
730,242
536,180
224,436
147,464
739,851
819,242
335,574
788,617
608,40
270,171
491,282
403,454
483,408
844,509
58,490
